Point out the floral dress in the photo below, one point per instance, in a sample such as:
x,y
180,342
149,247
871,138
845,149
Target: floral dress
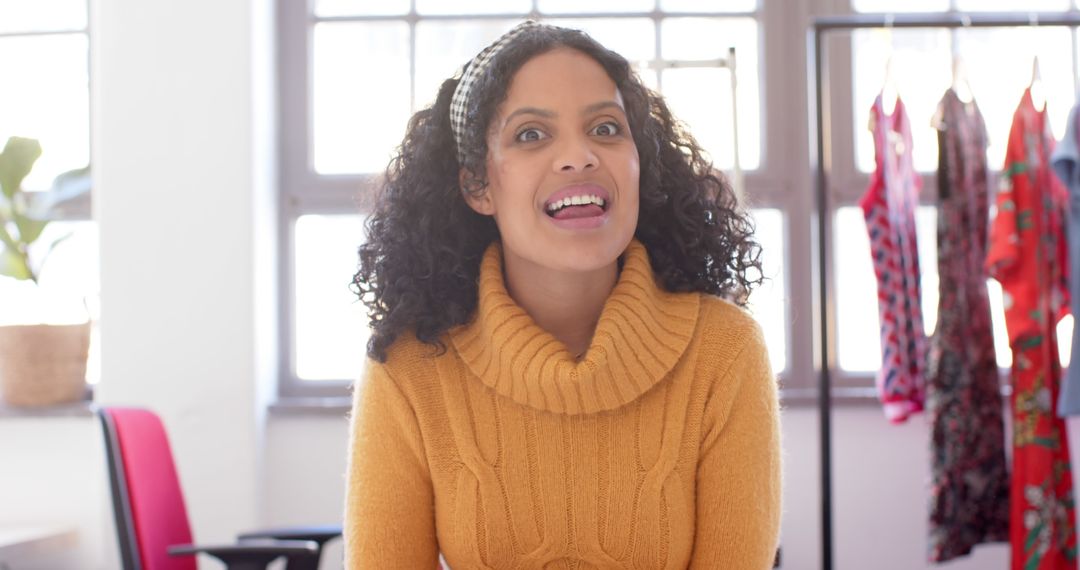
x,y
889,207
1027,255
969,501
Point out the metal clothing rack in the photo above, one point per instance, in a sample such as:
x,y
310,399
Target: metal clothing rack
x,y
821,151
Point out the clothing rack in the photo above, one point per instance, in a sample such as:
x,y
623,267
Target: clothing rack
x,y
820,153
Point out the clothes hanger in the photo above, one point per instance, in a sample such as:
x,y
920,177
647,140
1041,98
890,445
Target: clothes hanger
x,y
889,92
960,84
1036,89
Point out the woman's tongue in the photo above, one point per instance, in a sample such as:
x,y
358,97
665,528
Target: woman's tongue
x,y
584,211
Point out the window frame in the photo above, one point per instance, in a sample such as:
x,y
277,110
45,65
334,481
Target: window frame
x,y
780,181
80,208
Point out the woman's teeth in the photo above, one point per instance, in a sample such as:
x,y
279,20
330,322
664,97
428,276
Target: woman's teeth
x,y
575,201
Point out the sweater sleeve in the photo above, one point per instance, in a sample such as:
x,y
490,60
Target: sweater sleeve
x,y
389,501
739,471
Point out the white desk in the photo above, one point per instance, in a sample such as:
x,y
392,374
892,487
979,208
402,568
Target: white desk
x,y
25,543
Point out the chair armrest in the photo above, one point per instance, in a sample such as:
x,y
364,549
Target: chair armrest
x,y
251,554
319,534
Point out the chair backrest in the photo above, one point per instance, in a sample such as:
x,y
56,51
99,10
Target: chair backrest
x,y
147,499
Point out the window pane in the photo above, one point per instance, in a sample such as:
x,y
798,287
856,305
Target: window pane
x,y
857,315
922,70
682,39
701,97
473,6
632,38
361,7
595,6
708,5
1011,5
51,103
900,5
858,326
360,94
999,72
69,285
331,323
1001,334
42,15
1064,333
926,232
769,302
997,315
442,48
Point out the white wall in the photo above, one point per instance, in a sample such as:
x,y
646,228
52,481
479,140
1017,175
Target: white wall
x,y
182,138
305,473
54,475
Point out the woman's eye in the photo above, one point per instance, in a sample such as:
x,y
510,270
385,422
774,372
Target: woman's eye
x,y
607,129
531,135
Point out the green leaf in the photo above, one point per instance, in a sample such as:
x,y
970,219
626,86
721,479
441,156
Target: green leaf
x,y
14,265
29,228
1046,442
1033,534
1031,342
16,160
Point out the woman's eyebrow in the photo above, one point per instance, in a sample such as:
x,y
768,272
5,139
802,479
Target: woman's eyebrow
x,y
548,114
529,111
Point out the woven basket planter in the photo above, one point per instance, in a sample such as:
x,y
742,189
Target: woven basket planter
x,y
43,365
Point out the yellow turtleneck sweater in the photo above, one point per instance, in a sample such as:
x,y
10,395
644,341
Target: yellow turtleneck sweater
x,y
660,448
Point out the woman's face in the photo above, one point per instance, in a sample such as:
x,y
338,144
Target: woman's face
x,y
562,166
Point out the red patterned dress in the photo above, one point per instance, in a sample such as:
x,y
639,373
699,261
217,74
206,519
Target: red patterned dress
x,y
889,206
1028,256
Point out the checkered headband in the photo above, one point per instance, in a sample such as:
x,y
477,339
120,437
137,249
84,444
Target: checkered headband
x,y
459,103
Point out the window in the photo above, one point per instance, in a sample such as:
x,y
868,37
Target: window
x,y
44,52
331,323
338,134
770,303
998,71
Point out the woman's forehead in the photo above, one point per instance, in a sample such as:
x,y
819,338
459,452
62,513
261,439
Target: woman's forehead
x,y
563,80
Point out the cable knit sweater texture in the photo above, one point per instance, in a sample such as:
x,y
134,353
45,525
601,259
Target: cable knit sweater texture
x,y
660,448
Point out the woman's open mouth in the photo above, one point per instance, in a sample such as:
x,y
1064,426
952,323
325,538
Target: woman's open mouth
x,y
579,207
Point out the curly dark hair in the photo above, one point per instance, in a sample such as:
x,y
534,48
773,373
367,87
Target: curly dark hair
x,y
419,267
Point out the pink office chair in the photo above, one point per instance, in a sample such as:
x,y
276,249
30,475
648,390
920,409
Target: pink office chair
x,y
151,519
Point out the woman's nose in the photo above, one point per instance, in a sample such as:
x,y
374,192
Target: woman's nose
x,y
575,155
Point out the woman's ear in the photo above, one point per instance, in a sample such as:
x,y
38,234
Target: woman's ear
x,y
480,201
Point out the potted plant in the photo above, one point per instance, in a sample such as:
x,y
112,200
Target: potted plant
x,y
40,364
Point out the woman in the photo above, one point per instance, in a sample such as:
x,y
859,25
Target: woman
x,y
554,380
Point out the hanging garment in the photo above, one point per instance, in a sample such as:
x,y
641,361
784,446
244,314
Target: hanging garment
x,y
1066,163
889,207
1027,255
969,501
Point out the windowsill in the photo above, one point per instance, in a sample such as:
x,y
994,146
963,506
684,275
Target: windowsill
x,y
77,409
329,406
789,398
841,397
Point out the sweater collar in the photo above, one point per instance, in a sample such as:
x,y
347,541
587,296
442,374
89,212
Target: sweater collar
x,y
642,332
